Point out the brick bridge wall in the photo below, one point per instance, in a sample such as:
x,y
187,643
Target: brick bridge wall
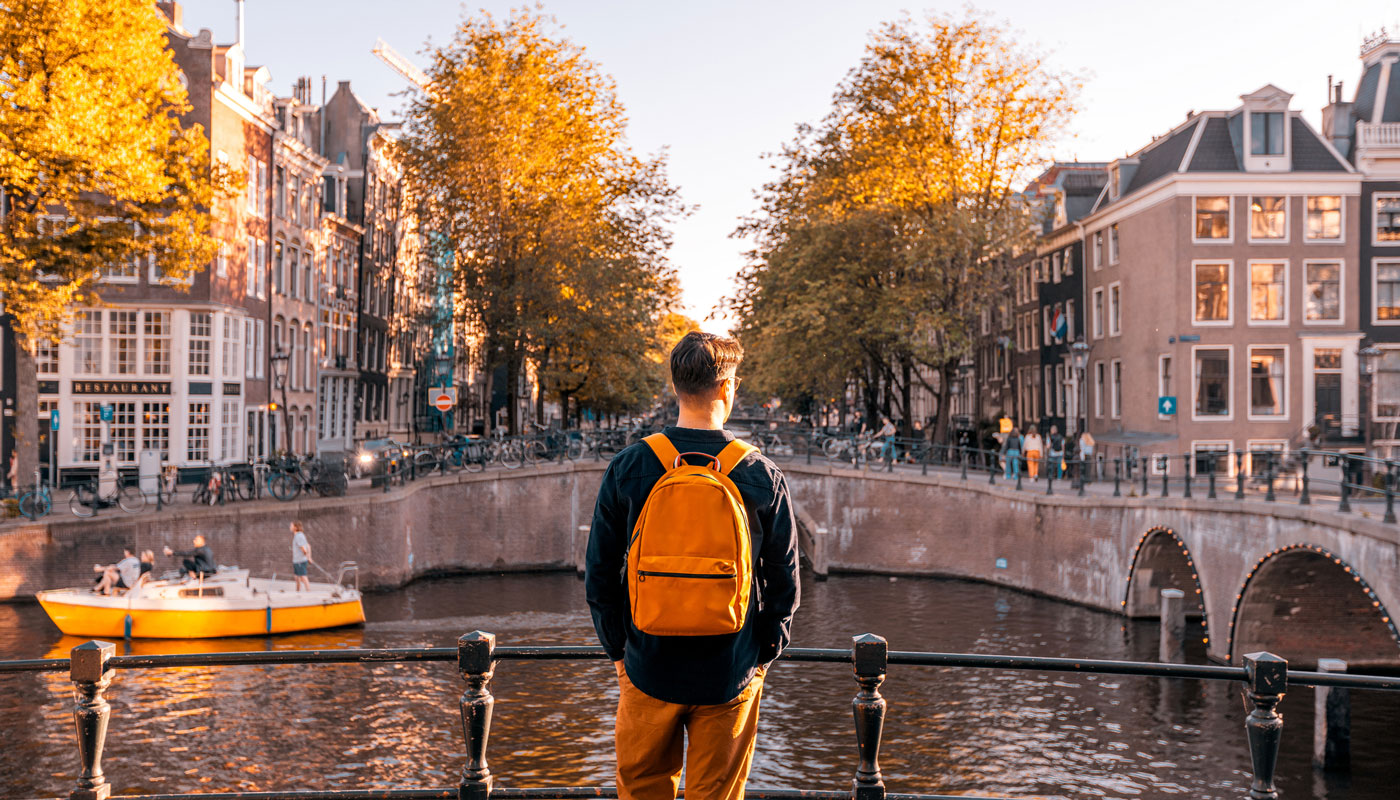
x,y
1078,549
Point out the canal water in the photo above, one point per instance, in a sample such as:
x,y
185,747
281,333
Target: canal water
x,y
954,731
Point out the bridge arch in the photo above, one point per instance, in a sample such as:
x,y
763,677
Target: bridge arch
x,y
1302,602
1161,560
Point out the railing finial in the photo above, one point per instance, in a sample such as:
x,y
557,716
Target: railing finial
x,y
1266,679
475,652
88,670
871,656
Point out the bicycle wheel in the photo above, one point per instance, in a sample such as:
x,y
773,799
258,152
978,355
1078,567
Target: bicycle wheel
x,y
284,486
424,462
83,502
131,499
474,458
574,449
246,485
35,504
511,455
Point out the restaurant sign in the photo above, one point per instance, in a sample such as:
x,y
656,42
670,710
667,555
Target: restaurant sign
x,y
121,387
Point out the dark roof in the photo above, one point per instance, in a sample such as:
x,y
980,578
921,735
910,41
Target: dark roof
x,y
1309,153
1391,113
1366,92
1216,150
1085,181
1162,157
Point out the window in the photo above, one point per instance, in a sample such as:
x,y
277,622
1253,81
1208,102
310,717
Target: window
x,y
155,426
1266,381
1213,292
329,194
251,279
1387,290
1097,254
221,261
1098,388
1115,309
197,430
1322,296
1268,291
1262,455
1164,380
1387,218
1268,218
200,329
1212,456
232,349
1212,218
88,342
1069,261
157,342
1055,270
1049,389
1113,244
1212,382
121,332
1116,392
308,275
260,270
1387,382
45,357
279,277
253,193
123,432
228,429
1069,320
87,432
1096,313
260,352
309,343
1324,218
248,349
293,279
1059,388
1266,133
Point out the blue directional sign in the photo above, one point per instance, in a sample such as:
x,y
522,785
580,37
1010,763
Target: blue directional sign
x,y
1166,406
53,419
107,413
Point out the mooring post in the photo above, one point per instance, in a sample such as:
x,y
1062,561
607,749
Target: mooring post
x,y
1171,644
474,660
1332,721
1266,679
87,665
871,656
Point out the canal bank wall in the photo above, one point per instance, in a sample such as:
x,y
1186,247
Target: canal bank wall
x,y
1302,580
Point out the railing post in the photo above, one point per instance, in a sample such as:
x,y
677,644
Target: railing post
x,y
1210,464
87,664
1117,470
474,660
1023,463
1389,493
1080,473
1332,721
1239,474
1305,499
1269,475
1050,478
1266,679
1344,504
1166,474
871,655
1186,464
962,452
927,451
991,468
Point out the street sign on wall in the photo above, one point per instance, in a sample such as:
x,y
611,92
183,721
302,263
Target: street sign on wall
x,y
443,398
53,419
1166,406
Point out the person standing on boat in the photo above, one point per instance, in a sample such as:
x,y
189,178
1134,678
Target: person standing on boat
x,y
199,561
301,556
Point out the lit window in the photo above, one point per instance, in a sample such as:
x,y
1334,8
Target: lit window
x,y
1268,218
1266,389
1322,300
1388,290
157,341
1387,218
1212,218
88,342
1324,217
1387,383
121,332
197,433
1267,291
1212,292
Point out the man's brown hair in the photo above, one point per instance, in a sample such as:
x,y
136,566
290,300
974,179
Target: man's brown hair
x,y
699,361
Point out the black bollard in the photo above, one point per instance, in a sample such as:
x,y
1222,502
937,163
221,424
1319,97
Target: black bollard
x,y
474,661
1344,505
1269,474
87,664
871,656
1144,476
1186,464
1022,463
1389,494
1049,478
1117,467
1210,462
1305,499
1080,473
991,469
1166,473
1266,678
962,454
1239,475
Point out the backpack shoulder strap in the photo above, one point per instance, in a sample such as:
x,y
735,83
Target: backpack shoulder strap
x,y
664,450
733,453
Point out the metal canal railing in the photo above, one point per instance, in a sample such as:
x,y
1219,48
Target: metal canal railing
x,y
93,665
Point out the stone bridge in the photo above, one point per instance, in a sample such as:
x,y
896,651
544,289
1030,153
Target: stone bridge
x,y
1301,581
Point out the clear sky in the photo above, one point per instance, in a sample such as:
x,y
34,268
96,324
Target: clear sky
x,y
720,83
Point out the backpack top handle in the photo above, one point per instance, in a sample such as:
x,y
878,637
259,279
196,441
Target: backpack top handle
x,y
671,458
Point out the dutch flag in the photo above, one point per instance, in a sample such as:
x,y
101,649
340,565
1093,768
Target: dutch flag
x,y
1058,324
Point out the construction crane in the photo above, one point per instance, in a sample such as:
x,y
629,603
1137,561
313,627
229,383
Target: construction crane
x,y
400,64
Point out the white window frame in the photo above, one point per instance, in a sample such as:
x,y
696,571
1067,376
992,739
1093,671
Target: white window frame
x,y
1287,220
1264,445
1341,224
1056,266
1097,311
1376,217
1230,219
1115,321
1287,383
1068,269
1266,323
1341,292
1163,389
1097,244
1069,320
1376,264
1048,383
221,261
1113,244
1229,293
1229,452
1229,384
1115,388
1100,380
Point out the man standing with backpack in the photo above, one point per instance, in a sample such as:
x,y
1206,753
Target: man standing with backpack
x,y
692,581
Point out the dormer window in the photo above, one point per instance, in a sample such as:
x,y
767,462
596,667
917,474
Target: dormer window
x,y
1266,133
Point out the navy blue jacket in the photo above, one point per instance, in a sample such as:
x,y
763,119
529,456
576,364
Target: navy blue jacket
x,y
693,670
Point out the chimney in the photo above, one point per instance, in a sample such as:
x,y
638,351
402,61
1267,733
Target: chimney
x,y
1338,120
238,17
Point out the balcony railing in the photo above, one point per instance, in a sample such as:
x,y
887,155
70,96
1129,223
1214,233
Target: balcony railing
x,y
1383,134
93,665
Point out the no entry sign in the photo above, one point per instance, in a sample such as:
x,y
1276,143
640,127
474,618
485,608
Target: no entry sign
x,y
443,398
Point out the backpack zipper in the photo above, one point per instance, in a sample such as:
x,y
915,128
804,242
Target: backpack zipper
x,y
642,574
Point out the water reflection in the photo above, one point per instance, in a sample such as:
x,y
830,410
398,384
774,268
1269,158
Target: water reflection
x,y
949,730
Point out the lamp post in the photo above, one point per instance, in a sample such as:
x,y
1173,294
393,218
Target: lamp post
x,y
1368,357
280,362
1079,354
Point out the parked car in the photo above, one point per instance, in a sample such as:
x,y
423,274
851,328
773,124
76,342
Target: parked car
x,y
373,455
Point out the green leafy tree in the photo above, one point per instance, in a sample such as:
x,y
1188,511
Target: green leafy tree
x,y
96,169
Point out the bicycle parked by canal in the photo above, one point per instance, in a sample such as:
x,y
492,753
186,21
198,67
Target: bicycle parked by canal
x,y
88,498
319,476
36,502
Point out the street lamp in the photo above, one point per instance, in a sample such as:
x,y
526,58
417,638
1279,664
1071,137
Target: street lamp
x,y
1369,359
280,362
1079,354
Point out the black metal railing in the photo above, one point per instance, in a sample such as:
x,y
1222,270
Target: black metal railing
x,y
92,666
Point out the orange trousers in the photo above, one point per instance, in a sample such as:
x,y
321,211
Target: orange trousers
x,y
1033,463
651,739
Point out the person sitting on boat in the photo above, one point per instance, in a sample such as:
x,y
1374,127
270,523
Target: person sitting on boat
x,y
199,561
121,575
148,563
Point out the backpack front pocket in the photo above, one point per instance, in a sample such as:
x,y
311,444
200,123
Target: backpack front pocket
x,y
686,596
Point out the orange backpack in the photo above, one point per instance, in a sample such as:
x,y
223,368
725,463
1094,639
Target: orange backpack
x,y
690,559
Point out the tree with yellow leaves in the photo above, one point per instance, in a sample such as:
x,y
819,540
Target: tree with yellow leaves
x,y
95,167
890,227
555,231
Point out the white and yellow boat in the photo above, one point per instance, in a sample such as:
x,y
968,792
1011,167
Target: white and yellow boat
x,y
227,603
